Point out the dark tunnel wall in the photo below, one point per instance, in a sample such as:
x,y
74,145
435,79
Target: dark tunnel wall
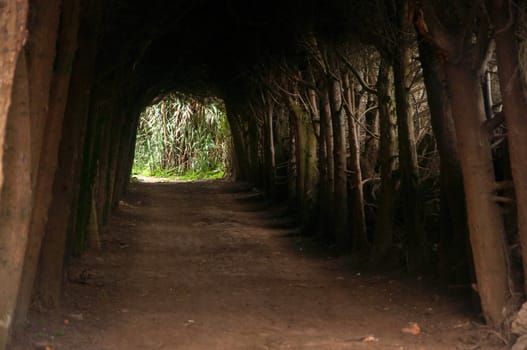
x,y
322,103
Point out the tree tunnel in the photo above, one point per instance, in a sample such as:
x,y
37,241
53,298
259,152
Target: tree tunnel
x,y
391,128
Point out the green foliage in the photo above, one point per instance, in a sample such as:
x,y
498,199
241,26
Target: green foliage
x,y
182,136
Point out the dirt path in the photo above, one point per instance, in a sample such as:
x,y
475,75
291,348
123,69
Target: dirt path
x,y
208,265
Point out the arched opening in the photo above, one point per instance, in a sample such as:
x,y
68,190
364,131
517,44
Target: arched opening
x,y
183,137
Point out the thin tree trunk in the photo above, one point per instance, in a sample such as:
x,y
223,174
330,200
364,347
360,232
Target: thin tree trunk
x,y
340,200
312,176
299,135
325,164
513,94
382,241
410,182
15,198
371,143
269,160
360,240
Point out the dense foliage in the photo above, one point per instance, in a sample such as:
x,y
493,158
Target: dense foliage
x,y
182,135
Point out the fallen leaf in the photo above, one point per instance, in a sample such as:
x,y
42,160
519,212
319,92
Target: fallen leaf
x,y
413,329
369,339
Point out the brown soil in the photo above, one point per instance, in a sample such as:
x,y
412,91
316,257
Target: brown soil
x,y
211,265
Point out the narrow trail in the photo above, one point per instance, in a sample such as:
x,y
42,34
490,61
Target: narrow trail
x,y
209,265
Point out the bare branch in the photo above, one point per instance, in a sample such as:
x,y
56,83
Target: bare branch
x,y
360,79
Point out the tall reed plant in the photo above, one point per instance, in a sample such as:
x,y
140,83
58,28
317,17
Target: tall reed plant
x,y
181,135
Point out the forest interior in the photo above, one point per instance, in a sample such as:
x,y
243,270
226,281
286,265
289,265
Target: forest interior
x,y
369,161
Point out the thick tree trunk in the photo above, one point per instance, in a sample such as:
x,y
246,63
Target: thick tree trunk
x,y
15,198
382,241
70,157
43,31
410,182
484,216
13,17
513,92
67,46
43,24
453,248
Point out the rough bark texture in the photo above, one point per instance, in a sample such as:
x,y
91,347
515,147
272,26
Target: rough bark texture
x,y
326,167
43,24
15,199
70,156
43,30
514,106
371,144
340,200
67,46
13,17
484,218
358,218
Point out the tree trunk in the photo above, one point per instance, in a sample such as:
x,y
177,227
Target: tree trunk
x,y
382,241
269,154
241,160
43,24
67,46
325,166
310,174
484,217
360,240
126,157
410,182
15,198
312,178
299,135
371,143
340,200
13,17
454,250
43,30
513,91
70,157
